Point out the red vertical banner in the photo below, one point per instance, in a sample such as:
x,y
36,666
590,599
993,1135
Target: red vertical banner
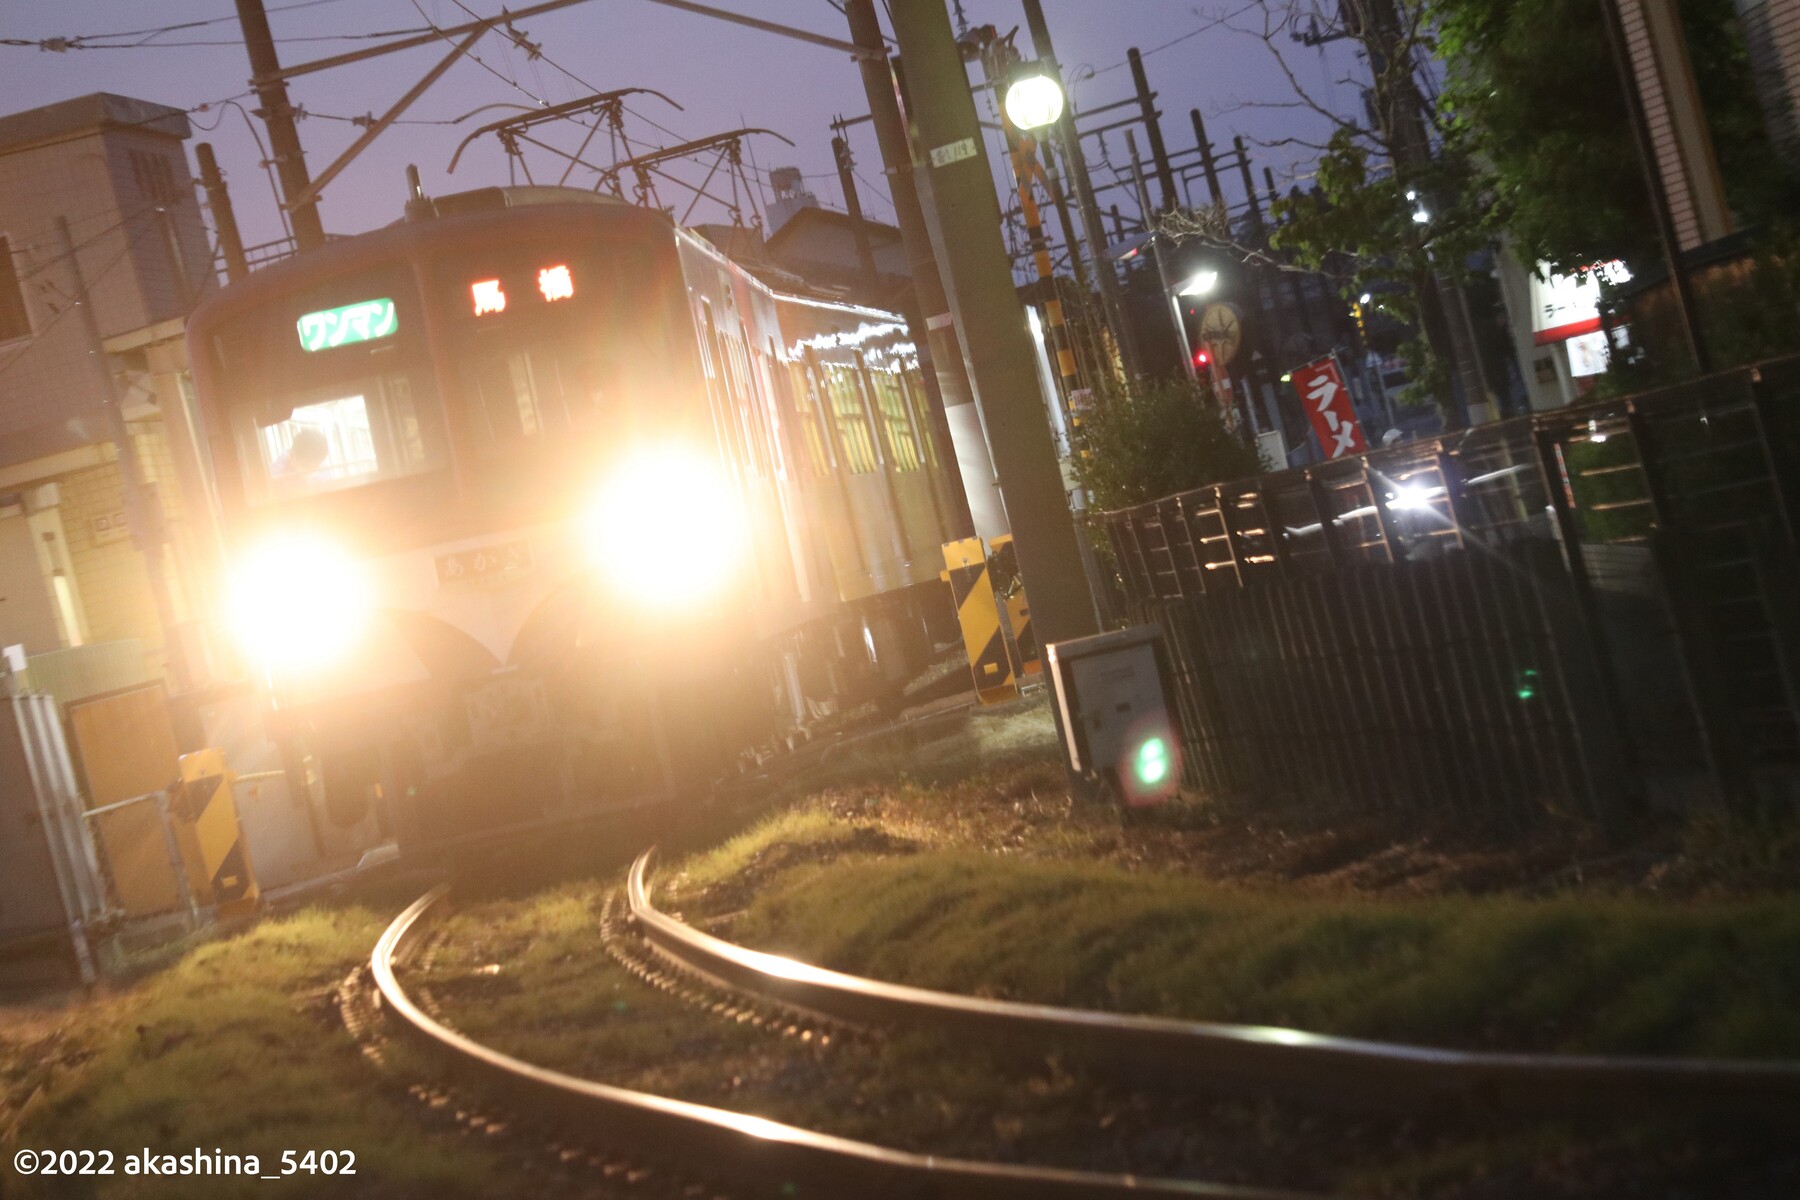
x,y
1328,404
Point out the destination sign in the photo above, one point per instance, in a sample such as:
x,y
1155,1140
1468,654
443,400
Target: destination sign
x,y
364,321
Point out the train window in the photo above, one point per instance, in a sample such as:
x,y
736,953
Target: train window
x,y
744,405
340,436
852,418
804,388
729,432
890,401
518,393
921,411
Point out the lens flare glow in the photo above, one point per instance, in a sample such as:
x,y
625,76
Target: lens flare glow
x,y
299,603
667,530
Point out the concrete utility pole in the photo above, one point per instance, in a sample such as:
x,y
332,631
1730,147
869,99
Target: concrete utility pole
x,y
991,320
1111,296
278,115
967,439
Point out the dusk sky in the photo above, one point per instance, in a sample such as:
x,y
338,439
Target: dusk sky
x,y
725,76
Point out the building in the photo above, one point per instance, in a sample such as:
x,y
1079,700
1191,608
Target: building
x,y
102,248
1772,34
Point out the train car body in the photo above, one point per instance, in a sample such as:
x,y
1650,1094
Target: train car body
x,y
537,504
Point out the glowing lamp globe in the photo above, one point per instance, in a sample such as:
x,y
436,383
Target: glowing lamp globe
x,y
1034,101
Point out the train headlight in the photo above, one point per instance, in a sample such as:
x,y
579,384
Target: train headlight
x,y
667,529
299,603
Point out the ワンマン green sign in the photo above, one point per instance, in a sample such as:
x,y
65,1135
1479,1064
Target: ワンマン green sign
x,y
361,322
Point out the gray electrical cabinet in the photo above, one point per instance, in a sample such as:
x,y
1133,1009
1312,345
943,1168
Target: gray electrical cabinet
x,y
1113,712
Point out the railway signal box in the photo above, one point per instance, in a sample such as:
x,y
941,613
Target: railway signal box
x,y
1113,714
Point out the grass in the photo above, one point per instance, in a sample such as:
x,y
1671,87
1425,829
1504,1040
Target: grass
x,y
237,1046
1598,974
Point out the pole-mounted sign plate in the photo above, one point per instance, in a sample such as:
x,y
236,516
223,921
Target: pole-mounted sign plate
x,y
943,156
364,321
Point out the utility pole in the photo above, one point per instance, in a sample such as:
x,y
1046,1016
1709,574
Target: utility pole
x,y
1105,270
1206,158
859,231
143,515
1159,154
278,115
991,320
218,201
956,396
1170,301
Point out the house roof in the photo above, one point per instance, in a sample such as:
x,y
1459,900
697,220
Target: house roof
x,y
795,226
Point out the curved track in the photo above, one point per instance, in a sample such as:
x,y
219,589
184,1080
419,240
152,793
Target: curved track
x,y
744,1155
1349,1072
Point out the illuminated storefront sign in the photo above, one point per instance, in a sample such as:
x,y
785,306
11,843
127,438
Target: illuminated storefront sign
x,y
1566,306
487,296
364,321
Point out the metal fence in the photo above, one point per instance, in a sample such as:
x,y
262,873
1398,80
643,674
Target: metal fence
x,y
1584,609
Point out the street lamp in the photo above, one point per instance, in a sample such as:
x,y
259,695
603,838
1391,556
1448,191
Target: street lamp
x,y
1034,100
1200,284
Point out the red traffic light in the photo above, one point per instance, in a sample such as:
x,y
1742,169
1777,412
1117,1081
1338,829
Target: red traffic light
x,y
1202,358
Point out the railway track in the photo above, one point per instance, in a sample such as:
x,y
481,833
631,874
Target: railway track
x,y
1350,1073
719,1152
702,1151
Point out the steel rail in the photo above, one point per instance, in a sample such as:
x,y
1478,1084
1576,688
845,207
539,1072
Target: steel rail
x,y
750,1155
1348,1072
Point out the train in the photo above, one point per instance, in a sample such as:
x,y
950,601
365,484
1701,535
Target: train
x,y
536,504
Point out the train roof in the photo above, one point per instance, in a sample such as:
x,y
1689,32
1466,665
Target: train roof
x,y
452,219
459,217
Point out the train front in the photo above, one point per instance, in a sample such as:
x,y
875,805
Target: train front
x,y
485,556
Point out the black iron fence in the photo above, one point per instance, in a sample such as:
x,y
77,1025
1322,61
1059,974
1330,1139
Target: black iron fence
x,y
1582,610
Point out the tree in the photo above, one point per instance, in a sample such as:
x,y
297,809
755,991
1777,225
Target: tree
x,y
1159,438
1396,200
1532,88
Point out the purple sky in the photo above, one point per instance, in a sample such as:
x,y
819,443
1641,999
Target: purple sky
x,y
725,76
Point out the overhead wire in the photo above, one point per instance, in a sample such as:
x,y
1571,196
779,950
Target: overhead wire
x,y
61,44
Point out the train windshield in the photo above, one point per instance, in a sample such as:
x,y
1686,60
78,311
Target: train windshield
x,y
337,436
556,346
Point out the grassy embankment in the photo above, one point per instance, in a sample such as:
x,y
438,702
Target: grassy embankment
x,y
235,1045
994,883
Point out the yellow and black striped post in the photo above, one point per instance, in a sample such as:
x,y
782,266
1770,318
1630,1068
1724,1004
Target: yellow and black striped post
x,y
206,828
1003,569
972,591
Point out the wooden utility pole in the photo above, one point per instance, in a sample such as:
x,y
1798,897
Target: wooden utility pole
x,y
859,229
1159,153
218,202
991,321
278,115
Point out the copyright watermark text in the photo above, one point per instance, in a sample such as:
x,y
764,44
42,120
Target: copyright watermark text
x,y
195,1162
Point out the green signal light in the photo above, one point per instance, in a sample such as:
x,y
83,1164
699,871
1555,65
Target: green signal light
x,y
1152,765
1528,683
